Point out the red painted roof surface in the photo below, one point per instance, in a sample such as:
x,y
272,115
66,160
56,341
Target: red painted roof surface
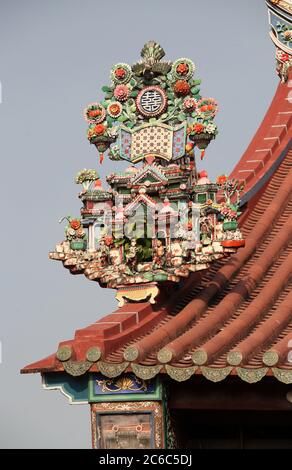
x,y
237,316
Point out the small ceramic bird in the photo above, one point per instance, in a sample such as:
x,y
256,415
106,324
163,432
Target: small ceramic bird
x,y
151,64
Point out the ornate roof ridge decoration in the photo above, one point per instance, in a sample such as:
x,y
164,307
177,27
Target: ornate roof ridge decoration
x,y
281,34
160,219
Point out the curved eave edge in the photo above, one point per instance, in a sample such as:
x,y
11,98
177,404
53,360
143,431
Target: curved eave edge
x,y
179,374
265,178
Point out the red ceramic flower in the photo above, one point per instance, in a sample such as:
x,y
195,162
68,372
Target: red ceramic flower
x,y
120,73
208,107
94,113
75,224
114,109
182,69
221,179
108,240
198,128
181,87
99,129
121,92
285,57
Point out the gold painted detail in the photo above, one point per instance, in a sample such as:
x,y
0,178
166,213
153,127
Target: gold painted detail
x,y
180,374
251,375
112,370
131,407
283,375
76,368
145,372
137,294
216,375
121,384
286,5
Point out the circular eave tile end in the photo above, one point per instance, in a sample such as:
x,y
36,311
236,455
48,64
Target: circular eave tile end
x,y
234,358
164,355
93,354
64,353
200,357
270,358
131,353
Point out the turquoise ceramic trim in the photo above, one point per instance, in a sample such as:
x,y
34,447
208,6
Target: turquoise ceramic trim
x,y
74,388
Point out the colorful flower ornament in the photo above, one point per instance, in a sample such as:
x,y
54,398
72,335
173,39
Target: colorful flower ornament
x,y
75,224
181,88
146,91
121,74
95,130
99,129
207,108
189,105
211,128
121,92
114,109
183,69
94,113
282,56
221,179
198,128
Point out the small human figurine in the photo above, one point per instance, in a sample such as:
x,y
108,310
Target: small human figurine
x,y
131,256
115,256
103,253
219,234
159,254
176,254
206,231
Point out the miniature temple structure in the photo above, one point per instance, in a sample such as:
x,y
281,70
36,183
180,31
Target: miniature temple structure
x,y
202,269
159,220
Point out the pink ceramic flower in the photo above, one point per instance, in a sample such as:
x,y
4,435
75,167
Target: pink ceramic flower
x,y
189,104
121,92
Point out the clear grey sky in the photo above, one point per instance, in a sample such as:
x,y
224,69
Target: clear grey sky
x,y
54,57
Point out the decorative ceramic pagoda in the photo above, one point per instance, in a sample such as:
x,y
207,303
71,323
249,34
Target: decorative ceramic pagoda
x,y
160,219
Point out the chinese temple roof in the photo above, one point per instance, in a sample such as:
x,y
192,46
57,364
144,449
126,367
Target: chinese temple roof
x,y
235,318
